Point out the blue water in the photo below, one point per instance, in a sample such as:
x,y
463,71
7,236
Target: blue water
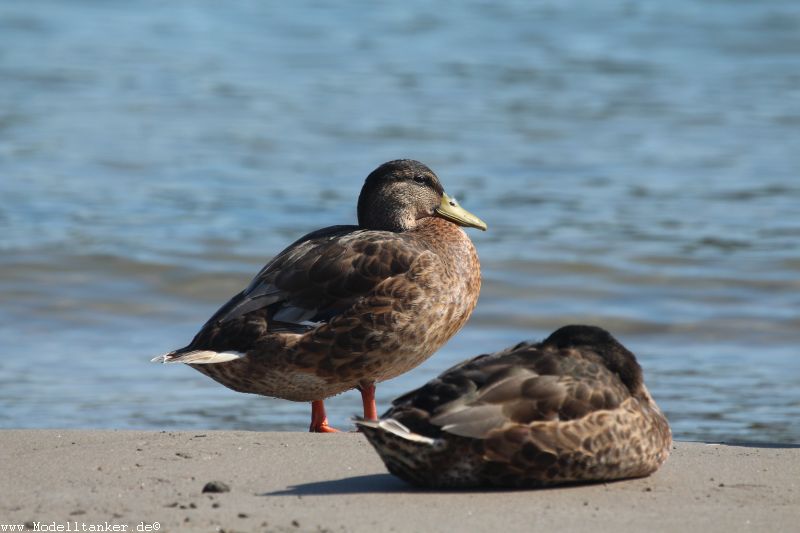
x,y
637,164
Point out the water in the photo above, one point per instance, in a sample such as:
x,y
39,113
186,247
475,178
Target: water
x,y
637,163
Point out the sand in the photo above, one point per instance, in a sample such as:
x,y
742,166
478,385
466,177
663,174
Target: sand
x,y
132,480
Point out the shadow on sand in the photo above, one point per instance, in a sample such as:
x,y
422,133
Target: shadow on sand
x,y
757,445
375,483
386,483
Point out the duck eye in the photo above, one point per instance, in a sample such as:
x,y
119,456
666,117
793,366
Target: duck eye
x,y
419,179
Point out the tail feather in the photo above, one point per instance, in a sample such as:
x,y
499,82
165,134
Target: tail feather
x,y
392,426
198,357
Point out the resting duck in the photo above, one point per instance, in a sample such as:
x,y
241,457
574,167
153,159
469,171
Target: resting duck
x,y
572,408
348,306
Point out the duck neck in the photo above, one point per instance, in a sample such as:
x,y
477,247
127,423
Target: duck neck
x,y
451,243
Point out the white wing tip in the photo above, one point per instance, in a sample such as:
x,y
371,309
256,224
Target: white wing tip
x,y
199,357
390,425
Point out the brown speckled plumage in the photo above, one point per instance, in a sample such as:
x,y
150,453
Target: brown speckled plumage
x,y
348,306
571,408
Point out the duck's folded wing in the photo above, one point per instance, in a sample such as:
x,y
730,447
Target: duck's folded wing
x,y
552,389
318,277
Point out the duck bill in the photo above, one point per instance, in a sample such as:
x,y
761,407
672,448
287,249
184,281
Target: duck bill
x,y
450,210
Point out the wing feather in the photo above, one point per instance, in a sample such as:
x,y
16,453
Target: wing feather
x,y
315,279
526,385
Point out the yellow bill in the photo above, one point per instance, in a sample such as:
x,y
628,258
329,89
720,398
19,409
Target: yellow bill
x,y
450,210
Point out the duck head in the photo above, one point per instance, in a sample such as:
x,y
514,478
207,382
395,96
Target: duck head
x,y
616,357
398,194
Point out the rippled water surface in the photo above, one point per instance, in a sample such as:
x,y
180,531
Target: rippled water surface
x,y
637,163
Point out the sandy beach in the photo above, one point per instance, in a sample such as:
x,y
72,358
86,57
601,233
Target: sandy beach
x,y
153,481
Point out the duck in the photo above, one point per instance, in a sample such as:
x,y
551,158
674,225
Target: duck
x,y
573,408
348,306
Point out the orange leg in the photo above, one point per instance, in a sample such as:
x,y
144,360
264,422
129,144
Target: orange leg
x,y
368,399
319,420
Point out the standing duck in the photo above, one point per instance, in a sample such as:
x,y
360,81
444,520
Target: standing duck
x,y
348,306
571,408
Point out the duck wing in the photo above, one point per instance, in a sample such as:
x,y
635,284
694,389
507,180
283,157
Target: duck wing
x,y
517,387
313,280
